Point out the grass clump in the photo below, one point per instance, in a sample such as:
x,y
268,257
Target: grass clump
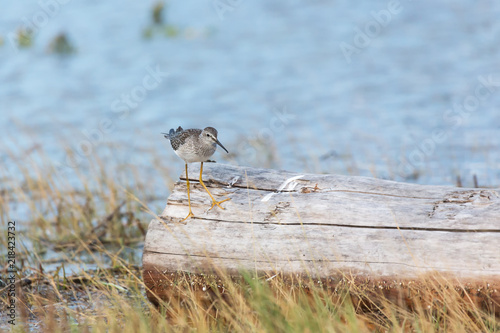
x,y
250,303
96,202
113,300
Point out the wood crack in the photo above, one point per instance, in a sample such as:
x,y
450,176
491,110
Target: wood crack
x,y
453,203
267,222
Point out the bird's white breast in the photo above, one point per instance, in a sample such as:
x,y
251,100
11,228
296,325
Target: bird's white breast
x,y
200,155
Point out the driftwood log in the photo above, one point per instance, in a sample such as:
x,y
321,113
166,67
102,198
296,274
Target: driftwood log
x,y
326,225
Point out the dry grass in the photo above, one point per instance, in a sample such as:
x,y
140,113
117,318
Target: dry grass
x,y
113,300
95,202
90,210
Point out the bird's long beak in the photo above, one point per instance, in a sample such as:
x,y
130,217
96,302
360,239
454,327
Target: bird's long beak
x,y
220,144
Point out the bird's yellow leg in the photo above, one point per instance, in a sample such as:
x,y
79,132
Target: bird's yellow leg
x,y
189,198
214,202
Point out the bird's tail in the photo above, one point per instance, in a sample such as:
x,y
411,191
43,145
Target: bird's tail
x,y
169,135
172,133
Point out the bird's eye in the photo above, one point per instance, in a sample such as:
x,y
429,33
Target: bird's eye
x,y
208,134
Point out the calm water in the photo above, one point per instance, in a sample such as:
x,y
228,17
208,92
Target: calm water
x,y
365,88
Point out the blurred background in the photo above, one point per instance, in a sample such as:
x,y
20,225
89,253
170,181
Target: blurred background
x,y
374,88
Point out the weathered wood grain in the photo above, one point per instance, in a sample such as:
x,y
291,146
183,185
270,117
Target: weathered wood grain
x,y
326,225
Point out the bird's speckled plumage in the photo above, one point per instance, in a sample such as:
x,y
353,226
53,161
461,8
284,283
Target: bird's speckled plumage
x,y
194,145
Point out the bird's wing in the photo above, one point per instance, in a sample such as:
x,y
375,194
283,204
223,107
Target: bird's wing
x,y
180,136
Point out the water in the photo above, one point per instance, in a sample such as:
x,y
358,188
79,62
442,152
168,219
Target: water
x,y
263,71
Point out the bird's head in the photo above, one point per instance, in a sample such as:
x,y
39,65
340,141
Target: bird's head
x,y
209,134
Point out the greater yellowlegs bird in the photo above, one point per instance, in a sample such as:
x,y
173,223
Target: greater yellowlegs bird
x,y
195,145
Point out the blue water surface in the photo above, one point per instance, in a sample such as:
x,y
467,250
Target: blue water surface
x,y
389,89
